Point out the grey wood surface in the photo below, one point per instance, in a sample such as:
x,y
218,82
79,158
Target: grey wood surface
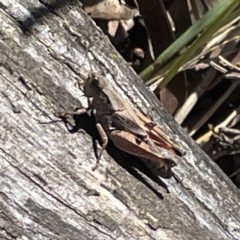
x,y
47,187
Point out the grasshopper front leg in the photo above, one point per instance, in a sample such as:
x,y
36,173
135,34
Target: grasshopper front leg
x,y
104,138
100,129
73,113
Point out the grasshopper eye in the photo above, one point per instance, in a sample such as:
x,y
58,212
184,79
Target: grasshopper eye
x,y
94,82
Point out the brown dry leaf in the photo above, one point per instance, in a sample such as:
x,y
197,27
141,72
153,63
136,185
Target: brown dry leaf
x,y
113,27
111,10
126,25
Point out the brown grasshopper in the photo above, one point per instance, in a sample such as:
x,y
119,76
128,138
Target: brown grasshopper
x,y
129,130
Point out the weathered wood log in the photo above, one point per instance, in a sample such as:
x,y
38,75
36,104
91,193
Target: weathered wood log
x,y
47,188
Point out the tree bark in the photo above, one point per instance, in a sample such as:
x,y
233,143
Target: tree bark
x,y
48,190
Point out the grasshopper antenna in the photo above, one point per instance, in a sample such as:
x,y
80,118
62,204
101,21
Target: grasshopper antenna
x,y
90,65
85,73
99,63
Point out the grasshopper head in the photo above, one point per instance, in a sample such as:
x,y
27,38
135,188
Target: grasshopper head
x,y
94,84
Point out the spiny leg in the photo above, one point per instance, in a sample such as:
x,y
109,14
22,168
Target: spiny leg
x,y
100,129
73,113
104,138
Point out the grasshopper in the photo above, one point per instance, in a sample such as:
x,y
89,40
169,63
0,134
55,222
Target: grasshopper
x,y
129,130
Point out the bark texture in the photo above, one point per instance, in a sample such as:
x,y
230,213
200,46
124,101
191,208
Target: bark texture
x,y
47,187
